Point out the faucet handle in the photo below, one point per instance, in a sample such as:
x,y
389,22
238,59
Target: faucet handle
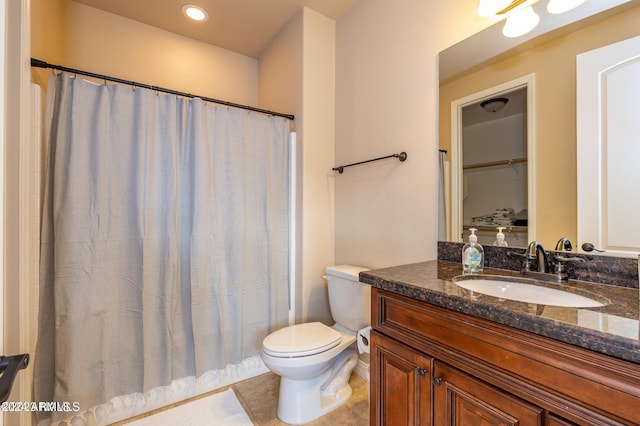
x,y
559,268
516,254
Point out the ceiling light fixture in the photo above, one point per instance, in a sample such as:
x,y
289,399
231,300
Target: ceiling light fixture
x,y
520,18
494,104
195,12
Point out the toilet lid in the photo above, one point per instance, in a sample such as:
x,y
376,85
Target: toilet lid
x,y
301,340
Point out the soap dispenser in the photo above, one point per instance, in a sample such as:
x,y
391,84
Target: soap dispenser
x,y
472,255
500,241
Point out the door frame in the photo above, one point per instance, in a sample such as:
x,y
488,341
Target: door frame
x,y
528,82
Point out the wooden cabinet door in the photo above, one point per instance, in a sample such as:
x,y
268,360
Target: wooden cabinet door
x,y
462,400
400,383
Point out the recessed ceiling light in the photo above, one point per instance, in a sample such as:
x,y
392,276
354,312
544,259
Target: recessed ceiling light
x,y
195,12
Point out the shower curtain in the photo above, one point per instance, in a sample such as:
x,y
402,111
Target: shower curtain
x,y
442,196
164,246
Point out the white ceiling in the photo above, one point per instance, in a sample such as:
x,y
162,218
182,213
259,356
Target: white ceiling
x,y
243,26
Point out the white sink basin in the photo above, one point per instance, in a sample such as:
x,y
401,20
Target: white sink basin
x,y
523,292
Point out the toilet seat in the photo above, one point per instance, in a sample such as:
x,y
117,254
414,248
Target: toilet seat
x,y
301,340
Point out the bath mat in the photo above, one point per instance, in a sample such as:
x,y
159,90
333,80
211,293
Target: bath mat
x,y
218,409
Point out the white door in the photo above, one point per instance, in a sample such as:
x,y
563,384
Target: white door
x,y
608,147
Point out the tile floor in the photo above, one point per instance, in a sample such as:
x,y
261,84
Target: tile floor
x,y
259,397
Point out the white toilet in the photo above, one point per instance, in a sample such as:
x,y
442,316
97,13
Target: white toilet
x,y
315,361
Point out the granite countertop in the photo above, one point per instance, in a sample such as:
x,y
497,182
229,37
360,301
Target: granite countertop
x,y
613,329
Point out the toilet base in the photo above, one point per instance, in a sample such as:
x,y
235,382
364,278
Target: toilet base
x,y
301,401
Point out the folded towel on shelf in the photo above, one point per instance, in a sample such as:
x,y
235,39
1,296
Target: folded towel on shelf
x,y
499,217
482,220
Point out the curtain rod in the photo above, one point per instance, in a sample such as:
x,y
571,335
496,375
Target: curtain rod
x,y
42,64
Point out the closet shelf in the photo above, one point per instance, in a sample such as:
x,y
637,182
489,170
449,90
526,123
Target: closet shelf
x,y
510,162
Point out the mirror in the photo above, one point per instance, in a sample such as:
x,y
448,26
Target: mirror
x,y
549,55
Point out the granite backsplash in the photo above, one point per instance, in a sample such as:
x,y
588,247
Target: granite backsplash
x,y
620,271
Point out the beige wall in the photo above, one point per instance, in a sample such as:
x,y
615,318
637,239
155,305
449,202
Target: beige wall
x,y
318,142
555,144
386,91
297,73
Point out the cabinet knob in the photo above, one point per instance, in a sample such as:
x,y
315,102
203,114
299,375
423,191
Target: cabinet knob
x,y
421,372
436,381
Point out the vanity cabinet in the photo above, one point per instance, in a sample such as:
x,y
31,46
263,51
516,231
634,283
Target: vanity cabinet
x,y
431,365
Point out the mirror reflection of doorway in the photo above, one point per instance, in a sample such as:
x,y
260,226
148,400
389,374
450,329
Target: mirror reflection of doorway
x,y
492,164
494,167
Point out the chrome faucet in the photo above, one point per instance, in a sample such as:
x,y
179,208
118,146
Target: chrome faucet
x,y
536,252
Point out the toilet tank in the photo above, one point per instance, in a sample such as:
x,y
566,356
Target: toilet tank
x,y
349,299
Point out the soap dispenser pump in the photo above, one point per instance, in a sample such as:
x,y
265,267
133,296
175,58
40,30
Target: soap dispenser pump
x,y
472,255
500,241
